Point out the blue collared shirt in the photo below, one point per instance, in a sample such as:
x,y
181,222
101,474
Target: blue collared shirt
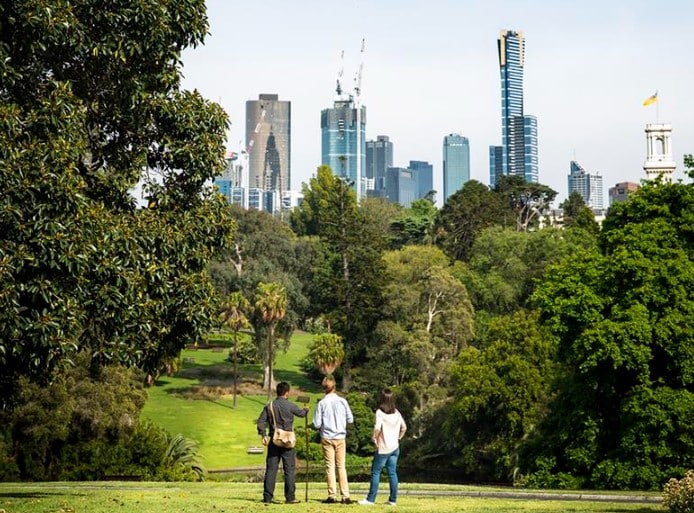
x,y
332,416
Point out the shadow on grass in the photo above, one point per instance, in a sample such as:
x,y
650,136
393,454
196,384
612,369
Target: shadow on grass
x,y
33,495
645,509
297,380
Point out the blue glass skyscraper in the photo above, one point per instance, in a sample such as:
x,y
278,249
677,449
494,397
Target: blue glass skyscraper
x,y
343,142
518,131
456,163
424,173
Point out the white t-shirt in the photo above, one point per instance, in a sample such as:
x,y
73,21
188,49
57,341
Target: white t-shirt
x,y
389,428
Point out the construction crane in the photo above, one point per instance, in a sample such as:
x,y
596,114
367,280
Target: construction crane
x,y
338,89
357,77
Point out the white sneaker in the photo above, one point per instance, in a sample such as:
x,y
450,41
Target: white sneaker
x,y
365,502
391,503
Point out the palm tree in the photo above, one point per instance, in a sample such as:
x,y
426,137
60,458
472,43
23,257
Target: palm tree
x,y
326,352
271,306
234,317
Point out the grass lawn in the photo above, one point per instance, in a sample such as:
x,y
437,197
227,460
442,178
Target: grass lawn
x,y
113,497
197,402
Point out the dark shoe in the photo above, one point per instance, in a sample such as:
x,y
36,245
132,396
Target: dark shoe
x,y
330,500
294,501
347,500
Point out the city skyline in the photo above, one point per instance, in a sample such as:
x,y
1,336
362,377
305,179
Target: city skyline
x,y
589,67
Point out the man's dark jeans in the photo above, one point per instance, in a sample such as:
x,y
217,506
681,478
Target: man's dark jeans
x,y
272,463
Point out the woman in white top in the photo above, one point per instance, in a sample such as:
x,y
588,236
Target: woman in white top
x,y
389,428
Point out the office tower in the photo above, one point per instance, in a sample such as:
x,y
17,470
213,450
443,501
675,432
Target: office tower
x,y
495,164
401,185
379,157
343,141
589,186
659,160
424,173
268,142
622,191
518,131
456,163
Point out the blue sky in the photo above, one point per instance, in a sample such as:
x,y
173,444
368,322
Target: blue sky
x,y
431,68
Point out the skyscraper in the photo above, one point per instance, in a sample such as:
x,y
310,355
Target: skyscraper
x,y
456,163
268,142
379,157
343,129
589,186
518,131
401,185
424,174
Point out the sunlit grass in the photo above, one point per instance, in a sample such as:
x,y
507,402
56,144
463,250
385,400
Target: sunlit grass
x,y
223,433
239,497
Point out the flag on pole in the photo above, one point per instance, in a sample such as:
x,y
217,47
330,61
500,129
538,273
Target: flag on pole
x,y
651,99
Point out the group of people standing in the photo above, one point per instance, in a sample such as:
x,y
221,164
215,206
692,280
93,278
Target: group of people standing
x,y
331,418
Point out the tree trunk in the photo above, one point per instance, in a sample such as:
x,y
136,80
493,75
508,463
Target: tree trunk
x,y
236,366
269,378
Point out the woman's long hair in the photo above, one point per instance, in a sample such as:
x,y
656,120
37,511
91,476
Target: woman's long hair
x,y
386,402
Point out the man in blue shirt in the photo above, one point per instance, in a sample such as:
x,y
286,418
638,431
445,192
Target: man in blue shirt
x,y
331,418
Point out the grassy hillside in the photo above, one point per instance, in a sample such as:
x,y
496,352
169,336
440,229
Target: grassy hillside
x,y
197,402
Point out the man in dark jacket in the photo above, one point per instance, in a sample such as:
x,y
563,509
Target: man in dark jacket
x,y
284,413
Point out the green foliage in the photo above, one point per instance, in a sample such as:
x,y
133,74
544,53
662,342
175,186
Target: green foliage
x,y
348,276
360,432
678,495
90,98
326,352
505,265
416,225
502,387
528,201
578,215
624,317
182,458
467,212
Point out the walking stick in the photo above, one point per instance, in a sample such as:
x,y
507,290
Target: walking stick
x,y
305,399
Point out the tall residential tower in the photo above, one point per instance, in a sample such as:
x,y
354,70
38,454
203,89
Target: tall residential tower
x,y
517,154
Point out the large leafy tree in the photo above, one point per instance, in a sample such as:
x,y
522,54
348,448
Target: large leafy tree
x,y
625,320
427,319
347,282
577,214
527,200
500,389
506,264
466,213
90,99
266,250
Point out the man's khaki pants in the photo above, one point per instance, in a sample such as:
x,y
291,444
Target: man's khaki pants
x,y
334,457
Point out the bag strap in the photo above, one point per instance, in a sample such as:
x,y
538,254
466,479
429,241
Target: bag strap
x,y
272,412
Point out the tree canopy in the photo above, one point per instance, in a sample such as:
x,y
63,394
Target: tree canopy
x,y
90,103
624,317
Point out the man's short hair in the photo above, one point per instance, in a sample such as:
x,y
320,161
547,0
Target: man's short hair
x,y
282,388
328,384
